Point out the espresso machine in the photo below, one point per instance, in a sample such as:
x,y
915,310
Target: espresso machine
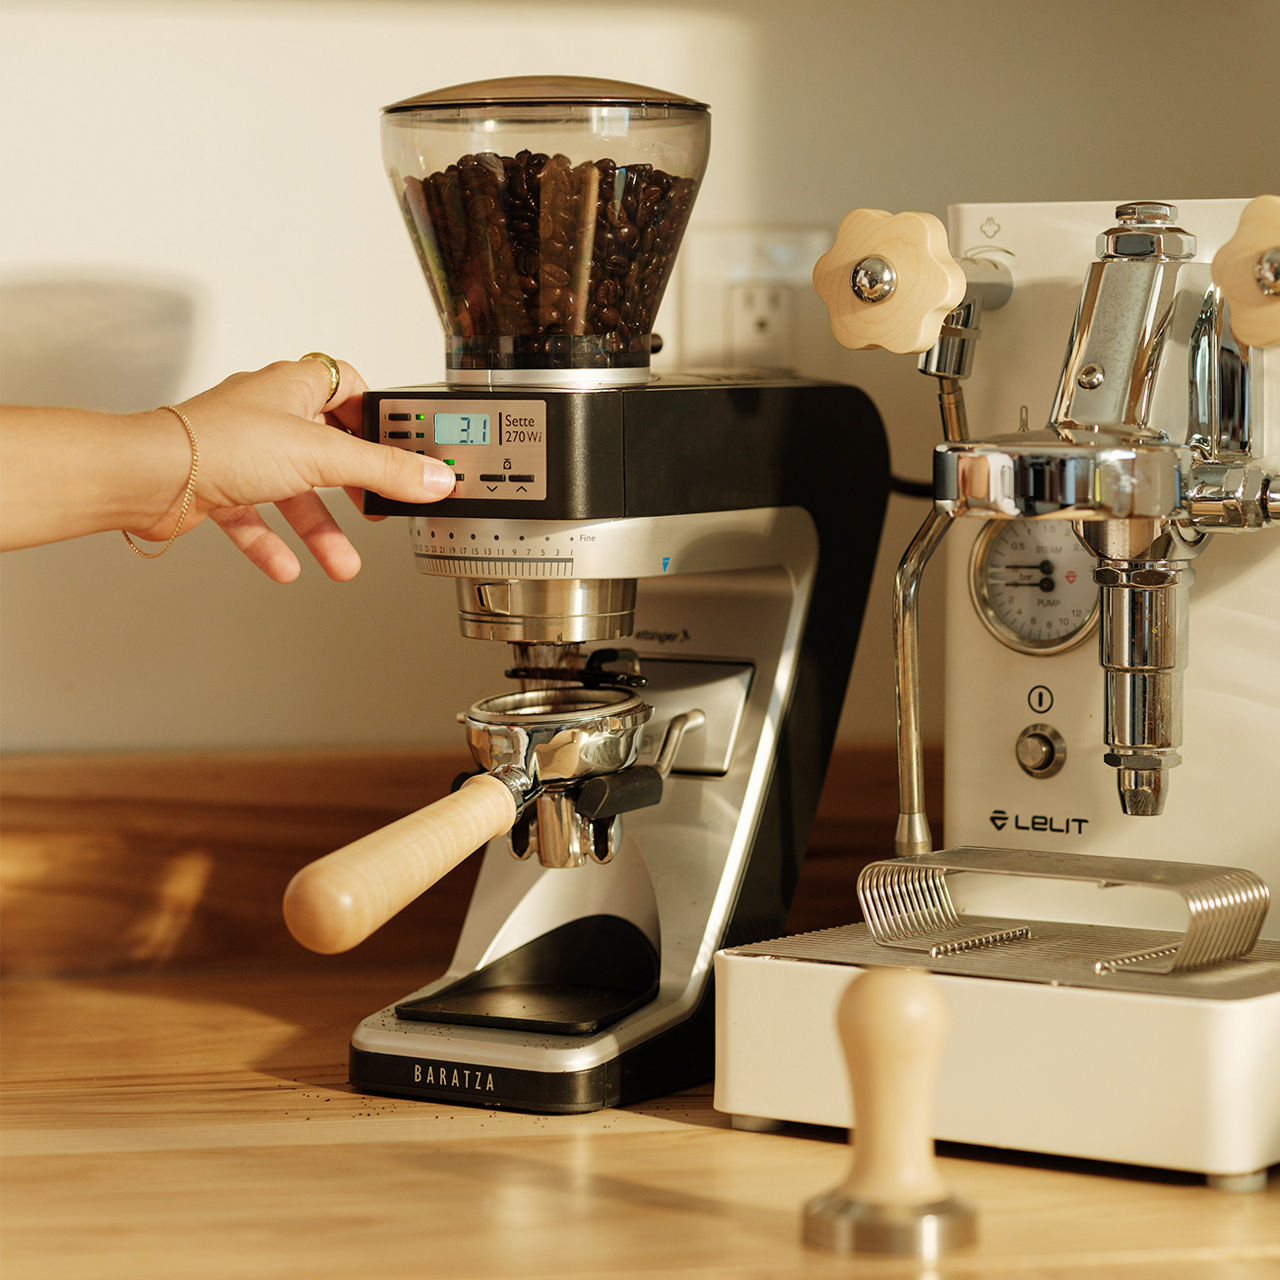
x,y
679,565
1100,922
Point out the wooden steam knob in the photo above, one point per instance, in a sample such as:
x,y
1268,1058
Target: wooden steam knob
x,y
1247,270
889,280
339,900
891,1024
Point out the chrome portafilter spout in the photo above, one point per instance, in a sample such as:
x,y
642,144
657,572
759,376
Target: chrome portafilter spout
x,y
568,743
550,741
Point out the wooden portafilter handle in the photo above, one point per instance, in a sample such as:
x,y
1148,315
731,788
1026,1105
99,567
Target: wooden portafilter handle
x,y
891,1023
339,900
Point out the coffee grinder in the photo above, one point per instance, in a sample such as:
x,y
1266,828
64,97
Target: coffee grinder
x,y
679,564
1100,922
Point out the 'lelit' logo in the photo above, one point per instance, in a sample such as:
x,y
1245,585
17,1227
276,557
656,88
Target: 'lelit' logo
x,y
1038,822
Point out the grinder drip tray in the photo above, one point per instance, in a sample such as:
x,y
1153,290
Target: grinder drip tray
x,y
575,980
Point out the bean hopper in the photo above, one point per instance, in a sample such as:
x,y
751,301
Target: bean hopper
x,y
1100,919
679,564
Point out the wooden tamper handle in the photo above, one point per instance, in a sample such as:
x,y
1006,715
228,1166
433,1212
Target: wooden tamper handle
x,y
339,900
891,1023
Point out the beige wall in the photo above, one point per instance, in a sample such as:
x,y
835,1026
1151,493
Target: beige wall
x,y
202,183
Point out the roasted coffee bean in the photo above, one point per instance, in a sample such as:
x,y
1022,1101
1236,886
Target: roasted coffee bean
x,y
503,238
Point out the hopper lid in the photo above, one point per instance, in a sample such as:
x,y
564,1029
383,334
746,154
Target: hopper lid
x,y
536,91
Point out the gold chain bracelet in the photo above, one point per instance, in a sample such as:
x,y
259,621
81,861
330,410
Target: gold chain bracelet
x,y
186,497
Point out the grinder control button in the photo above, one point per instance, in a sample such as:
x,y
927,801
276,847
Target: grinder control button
x,y
496,447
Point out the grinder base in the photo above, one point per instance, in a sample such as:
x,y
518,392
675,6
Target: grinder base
x,y
679,1059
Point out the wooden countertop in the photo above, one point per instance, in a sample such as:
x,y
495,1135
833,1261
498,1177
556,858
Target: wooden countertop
x,y
200,1126
185,1113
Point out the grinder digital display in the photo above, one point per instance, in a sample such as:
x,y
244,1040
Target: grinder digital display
x,y
461,428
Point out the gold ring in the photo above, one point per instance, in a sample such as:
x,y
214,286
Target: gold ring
x,y
335,374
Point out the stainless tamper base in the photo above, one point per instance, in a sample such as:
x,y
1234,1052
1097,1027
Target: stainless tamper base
x,y
835,1221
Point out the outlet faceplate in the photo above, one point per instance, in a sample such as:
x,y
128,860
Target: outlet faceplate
x,y
759,324
746,296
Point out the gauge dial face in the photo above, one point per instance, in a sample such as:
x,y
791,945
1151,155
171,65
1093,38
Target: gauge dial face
x,y
1032,584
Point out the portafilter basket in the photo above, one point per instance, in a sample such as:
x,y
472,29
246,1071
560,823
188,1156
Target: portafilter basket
x,y
559,734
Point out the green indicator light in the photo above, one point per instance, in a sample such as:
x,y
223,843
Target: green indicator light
x,y
421,417
419,435
449,462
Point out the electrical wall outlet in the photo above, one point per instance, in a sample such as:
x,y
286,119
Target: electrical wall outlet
x,y
746,299
759,324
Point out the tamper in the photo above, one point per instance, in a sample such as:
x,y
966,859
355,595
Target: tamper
x,y
891,1023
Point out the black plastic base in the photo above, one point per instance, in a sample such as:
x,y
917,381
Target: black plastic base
x,y
573,981
477,1085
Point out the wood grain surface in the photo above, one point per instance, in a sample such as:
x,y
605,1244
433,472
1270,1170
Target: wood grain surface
x,y
137,862
199,1126
173,1099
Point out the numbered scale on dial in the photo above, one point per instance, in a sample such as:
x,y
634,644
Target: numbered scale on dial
x,y
1032,584
487,549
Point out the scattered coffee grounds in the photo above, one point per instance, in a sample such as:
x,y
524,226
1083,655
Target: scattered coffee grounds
x,y
535,262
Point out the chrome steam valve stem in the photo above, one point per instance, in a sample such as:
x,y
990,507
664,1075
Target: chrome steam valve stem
x,y
1144,579
1143,650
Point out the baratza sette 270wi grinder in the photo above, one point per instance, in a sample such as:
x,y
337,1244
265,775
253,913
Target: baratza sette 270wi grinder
x,y
642,806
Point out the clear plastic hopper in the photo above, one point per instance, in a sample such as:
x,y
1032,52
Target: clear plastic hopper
x,y
546,214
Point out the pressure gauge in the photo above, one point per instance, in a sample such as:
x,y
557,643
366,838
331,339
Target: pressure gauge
x,y
1032,584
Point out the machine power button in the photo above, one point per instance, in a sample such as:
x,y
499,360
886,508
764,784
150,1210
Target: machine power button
x,y
1040,750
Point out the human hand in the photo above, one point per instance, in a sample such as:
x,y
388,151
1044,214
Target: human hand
x,y
273,436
